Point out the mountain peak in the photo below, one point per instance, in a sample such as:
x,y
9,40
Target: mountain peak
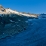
x,y
9,11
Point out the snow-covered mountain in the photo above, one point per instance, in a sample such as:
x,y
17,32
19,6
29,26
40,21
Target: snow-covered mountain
x,y
10,11
12,22
22,29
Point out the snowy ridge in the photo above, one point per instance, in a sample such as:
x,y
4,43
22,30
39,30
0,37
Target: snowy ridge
x,y
10,11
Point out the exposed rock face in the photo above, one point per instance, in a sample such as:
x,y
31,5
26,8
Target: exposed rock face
x,y
1,8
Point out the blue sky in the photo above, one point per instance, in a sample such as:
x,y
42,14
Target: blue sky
x,y
32,6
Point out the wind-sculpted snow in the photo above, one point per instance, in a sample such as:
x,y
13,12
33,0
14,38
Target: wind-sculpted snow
x,y
34,35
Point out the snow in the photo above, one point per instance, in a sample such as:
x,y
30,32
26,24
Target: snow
x,y
34,35
29,19
11,21
3,33
42,16
10,11
7,26
19,20
29,15
16,22
26,21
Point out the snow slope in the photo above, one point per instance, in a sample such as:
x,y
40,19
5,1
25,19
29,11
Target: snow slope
x,y
34,35
30,31
10,11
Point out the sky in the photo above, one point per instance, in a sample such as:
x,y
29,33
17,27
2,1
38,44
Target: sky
x,y
31,6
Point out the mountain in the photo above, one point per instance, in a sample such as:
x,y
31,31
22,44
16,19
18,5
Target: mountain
x,y
22,29
10,11
13,22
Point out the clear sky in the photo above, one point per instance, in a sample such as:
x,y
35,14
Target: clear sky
x,y
32,6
